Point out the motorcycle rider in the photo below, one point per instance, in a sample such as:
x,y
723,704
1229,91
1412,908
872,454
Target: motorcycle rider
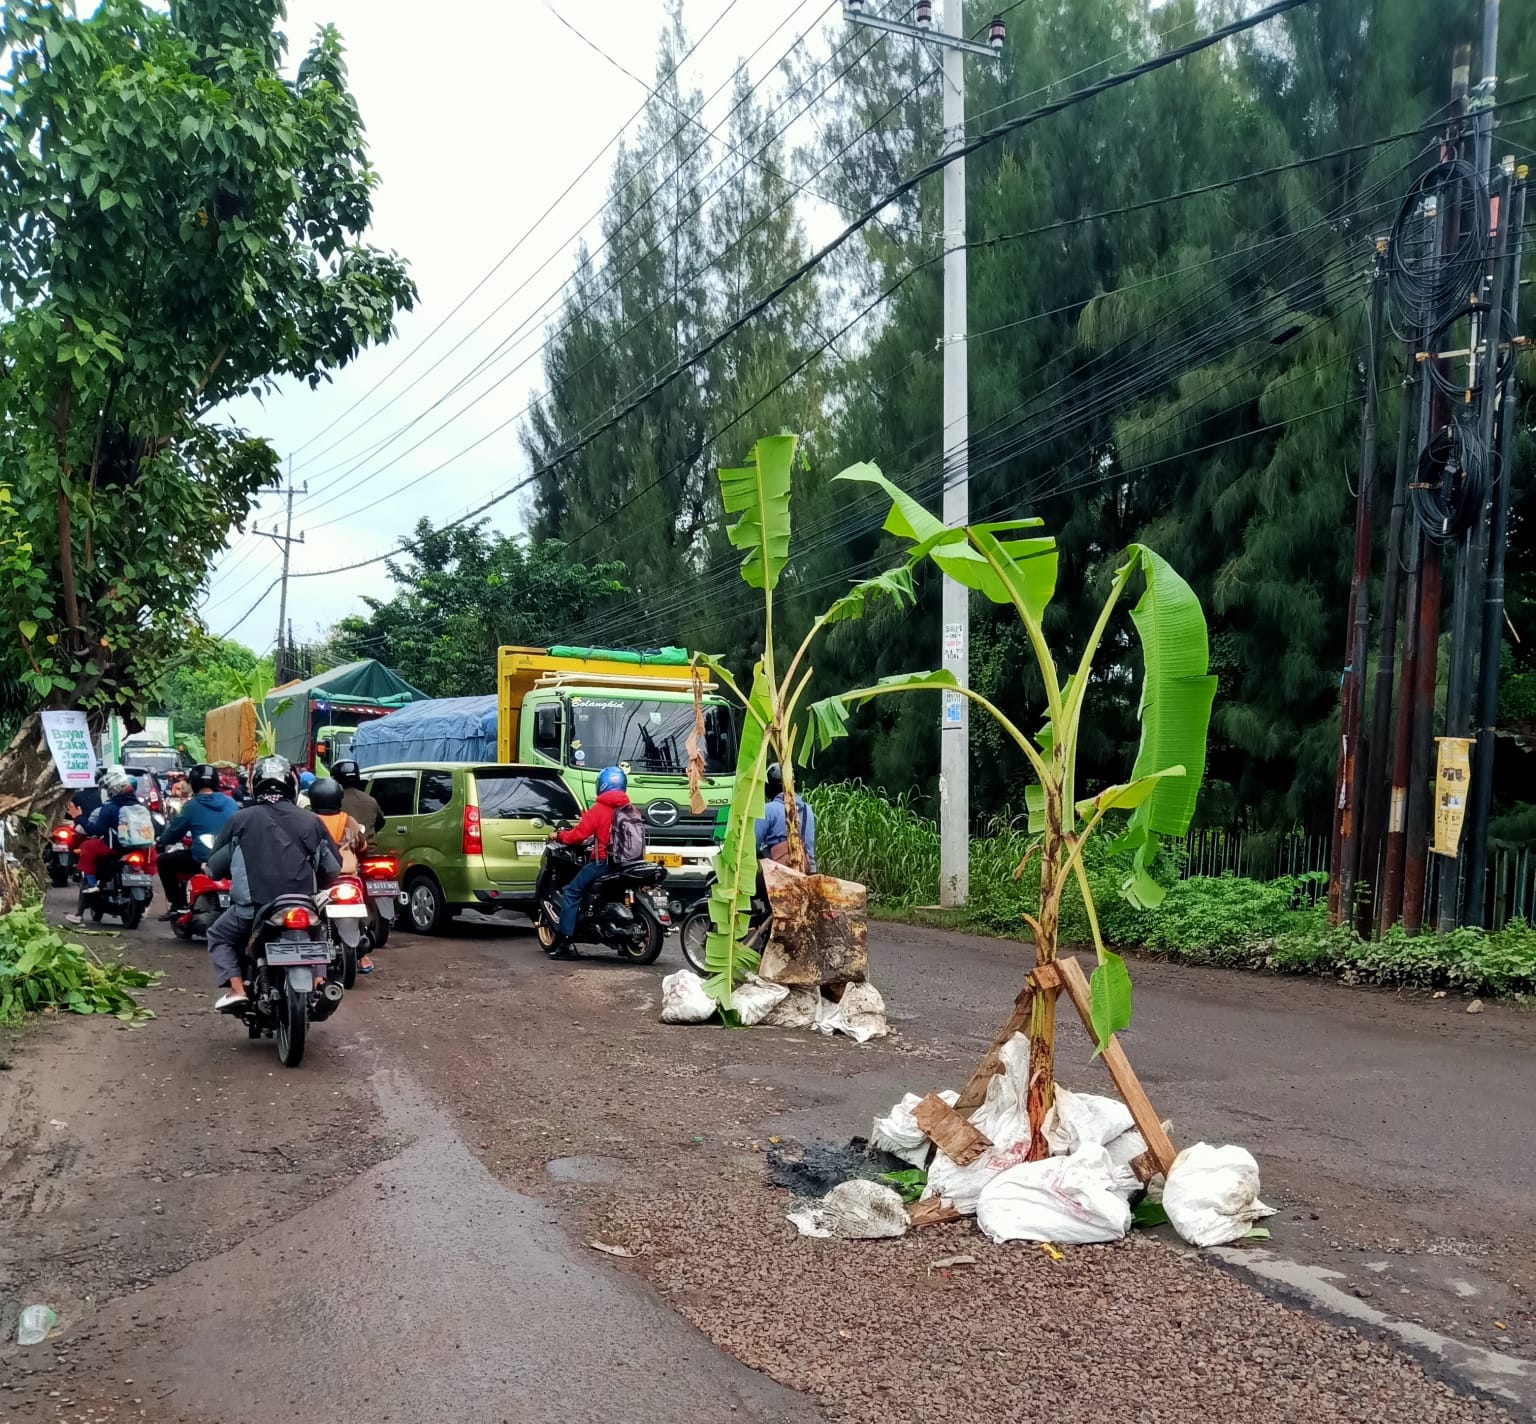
x,y
205,813
306,780
597,825
270,848
325,800
772,826
356,802
85,799
100,841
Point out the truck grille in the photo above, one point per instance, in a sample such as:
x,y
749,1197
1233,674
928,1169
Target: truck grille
x,y
688,829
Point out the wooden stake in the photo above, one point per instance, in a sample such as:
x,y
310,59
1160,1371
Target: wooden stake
x,y
931,1211
975,1091
951,1133
1127,1084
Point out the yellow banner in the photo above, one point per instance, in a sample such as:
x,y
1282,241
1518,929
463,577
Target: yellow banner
x,y
1452,775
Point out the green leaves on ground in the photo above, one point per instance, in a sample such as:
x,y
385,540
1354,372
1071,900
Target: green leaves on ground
x,y
40,970
909,1182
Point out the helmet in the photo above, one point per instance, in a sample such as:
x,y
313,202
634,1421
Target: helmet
x,y
775,781
612,778
273,776
115,782
325,796
347,773
101,773
203,777
306,780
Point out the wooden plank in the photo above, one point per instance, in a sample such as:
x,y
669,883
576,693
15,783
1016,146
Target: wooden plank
x,y
951,1133
974,1093
1046,976
1145,1167
1127,1084
931,1211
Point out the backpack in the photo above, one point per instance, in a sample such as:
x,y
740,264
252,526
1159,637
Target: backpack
x,y
626,841
134,826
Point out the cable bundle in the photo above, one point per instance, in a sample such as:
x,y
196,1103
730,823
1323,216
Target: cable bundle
x,y
1452,479
1423,279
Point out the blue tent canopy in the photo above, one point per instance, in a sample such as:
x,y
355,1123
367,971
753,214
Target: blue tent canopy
x,y
438,729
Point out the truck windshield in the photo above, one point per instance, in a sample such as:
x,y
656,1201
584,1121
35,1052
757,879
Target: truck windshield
x,y
650,735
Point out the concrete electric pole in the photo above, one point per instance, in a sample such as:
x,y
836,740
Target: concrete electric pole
x,y
281,671
954,734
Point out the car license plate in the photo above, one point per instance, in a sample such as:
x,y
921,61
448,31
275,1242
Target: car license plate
x,y
134,878
223,899
346,912
661,858
530,847
383,887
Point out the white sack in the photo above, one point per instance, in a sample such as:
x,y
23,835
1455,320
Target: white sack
x,y
898,1133
1084,1119
683,999
1069,1200
860,1013
1124,1150
857,1210
797,1010
1004,1117
754,999
1212,1194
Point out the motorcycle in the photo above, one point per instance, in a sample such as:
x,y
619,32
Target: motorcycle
x,y
380,873
59,858
344,904
204,897
124,888
625,908
693,930
292,973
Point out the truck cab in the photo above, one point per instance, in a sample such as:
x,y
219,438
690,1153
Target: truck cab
x,y
583,709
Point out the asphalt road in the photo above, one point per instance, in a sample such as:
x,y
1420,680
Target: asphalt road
x,y
179,1196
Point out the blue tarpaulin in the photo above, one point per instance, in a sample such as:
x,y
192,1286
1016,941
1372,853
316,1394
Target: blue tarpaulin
x,y
438,729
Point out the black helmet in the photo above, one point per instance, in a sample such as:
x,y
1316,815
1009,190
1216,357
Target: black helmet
x,y
347,773
273,776
325,796
203,777
775,781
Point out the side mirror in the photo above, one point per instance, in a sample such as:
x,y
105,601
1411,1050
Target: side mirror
x,y
546,730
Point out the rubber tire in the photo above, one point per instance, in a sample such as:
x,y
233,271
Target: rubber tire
x,y
656,936
59,876
692,925
95,912
426,909
348,965
133,914
292,1021
378,933
181,931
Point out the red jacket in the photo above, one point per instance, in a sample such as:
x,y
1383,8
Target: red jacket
x,y
598,821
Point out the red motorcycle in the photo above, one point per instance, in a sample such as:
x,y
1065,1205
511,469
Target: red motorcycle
x,y
205,899
380,873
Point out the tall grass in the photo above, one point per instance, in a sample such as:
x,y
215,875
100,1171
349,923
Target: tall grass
x,y
879,840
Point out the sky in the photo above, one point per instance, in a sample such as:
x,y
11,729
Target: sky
x,y
475,129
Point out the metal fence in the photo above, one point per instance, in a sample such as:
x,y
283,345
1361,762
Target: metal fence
x,y
1510,888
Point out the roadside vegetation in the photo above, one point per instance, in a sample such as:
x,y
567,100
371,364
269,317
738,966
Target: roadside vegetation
x,y
890,846
41,972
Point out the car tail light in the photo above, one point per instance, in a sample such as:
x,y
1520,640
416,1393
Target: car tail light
x,y
134,857
381,867
473,845
298,918
346,893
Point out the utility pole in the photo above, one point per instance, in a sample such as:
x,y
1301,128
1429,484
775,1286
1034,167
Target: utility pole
x,y
954,722
281,670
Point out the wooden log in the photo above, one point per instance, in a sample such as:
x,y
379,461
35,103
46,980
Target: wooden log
x,y
819,930
1127,1084
951,1133
931,1211
974,1093
1145,1166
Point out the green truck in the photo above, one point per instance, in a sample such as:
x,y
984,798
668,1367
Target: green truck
x,y
581,709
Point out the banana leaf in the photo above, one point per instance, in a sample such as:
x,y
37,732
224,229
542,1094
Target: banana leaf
x,y
759,494
726,959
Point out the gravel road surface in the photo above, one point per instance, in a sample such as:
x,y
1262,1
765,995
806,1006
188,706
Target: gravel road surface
x,y
401,1229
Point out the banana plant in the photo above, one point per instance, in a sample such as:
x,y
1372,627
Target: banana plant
x,y
1011,567
758,496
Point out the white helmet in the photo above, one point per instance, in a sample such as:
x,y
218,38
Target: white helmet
x,y
115,782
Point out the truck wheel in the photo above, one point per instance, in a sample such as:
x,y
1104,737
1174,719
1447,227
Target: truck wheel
x,y
425,906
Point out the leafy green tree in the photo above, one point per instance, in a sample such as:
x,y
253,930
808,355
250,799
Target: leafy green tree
x,y
209,673
463,593
179,224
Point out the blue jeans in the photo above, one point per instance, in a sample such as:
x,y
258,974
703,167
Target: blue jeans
x,y
570,900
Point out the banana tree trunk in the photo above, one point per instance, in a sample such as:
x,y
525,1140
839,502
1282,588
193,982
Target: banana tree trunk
x,y
1041,1092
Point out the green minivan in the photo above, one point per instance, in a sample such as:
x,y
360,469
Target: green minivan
x,y
469,837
